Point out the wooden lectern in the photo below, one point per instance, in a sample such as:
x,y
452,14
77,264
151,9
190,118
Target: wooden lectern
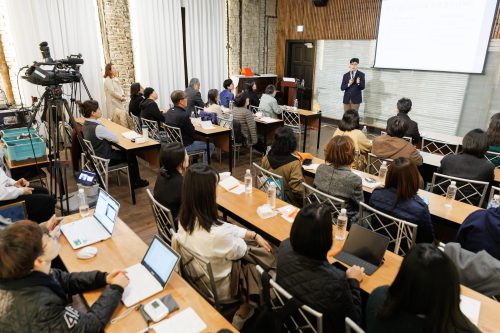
x,y
290,90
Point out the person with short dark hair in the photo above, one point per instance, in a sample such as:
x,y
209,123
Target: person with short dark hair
x,y
174,161
471,162
193,95
227,95
245,118
149,107
268,103
251,90
179,117
336,178
102,138
281,161
220,243
353,83
493,133
392,145
136,98
36,298
403,107
399,198
349,126
424,297
303,270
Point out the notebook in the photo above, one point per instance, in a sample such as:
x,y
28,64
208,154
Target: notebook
x,y
364,248
150,276
93,229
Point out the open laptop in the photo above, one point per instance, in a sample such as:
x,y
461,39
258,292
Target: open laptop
x,y
93,229
364,248
152,274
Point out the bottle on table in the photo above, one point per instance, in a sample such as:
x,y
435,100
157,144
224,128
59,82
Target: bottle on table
x,y
341,225
383,171
495,202
231,103
271,195
145,132
84,206
365,130
248,182
451,192
295,105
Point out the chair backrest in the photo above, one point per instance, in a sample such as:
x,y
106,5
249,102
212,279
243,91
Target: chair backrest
x,y
469,191
163,218
305,319
351,326
434,146
89,146
197,110
101,165
152,125
494,190
493,157
313,195
254,109
402,234
198,272
374,163
137,124
172,133
291,119
263,178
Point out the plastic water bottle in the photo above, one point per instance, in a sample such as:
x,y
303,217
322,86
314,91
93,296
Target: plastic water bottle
x,y
341,225
365,130
383,170
248,182
450,194
145,132
271,195
84,206
295,105
495,202
231,103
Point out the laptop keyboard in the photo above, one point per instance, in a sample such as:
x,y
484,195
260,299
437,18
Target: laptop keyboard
x,y
353,260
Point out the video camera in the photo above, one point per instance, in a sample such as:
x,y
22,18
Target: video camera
x,y
54,72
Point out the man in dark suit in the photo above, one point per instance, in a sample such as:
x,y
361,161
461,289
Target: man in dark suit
x,y
353,83
194,95
404,106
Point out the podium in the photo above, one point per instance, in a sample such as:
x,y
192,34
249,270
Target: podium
x,y
290,91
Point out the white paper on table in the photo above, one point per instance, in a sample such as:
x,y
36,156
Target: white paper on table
x,y
229,183
195,121
470,308
288,212
312,166
186,321
289,79
371,185
267,119
207,124
131,135
238,189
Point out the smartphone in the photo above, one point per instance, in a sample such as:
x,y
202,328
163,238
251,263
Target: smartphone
x,y
370,180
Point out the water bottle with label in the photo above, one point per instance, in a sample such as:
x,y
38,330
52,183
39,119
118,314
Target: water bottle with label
x,y
365,130
84,206
450,194
495,202
145,132
383,171
271,195
341,225
248,182
295,105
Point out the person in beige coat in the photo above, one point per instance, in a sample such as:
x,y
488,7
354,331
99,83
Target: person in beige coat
x,y
115,97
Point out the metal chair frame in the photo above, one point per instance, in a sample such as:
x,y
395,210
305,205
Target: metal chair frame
x,y
374,163
479,188
313,195
434,146
163,218
351,326
492,156
137,124
262,177
104,169
292,119
174,134
152,125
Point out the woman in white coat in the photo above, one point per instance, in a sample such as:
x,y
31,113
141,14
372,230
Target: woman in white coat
x,y
115,97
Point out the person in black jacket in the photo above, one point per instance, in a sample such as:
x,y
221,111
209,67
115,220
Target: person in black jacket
x,y
353,82
168,188
251,89
149,108
179,117
403,107
194,96
303,270
34,298
136,98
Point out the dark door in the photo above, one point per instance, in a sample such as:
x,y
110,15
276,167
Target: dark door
x,y
300,65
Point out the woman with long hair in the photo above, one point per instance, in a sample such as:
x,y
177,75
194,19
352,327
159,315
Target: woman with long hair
x,y
136,98
213,100
493,133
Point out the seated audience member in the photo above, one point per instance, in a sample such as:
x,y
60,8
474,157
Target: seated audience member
x,y
251,89
392,145
173,162
101,138
268,103
399,198
193,95
40,205
281,161
349,126
303,270
336,178
213,102
470,163
481,231
149,107
179,117
136,98
36,298
227,95
245,118
424,297
403,107
494,138
221,243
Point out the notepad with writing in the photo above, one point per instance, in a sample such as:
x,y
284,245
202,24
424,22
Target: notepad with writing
x,y
186,321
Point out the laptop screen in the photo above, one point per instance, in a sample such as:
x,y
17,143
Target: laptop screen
x,y
106,210
160,260
366,244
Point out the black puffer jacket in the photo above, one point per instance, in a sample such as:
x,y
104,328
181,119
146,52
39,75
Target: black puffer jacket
x,y
321,286
41,303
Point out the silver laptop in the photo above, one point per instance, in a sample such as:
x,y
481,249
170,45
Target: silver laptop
x,y
152,274
93,229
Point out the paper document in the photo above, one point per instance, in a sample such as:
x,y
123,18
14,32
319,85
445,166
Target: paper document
x,y
312,166
471,308
207,124
289,79
371,184
238,189
288,212
131,135
186,321
267,119
229,183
